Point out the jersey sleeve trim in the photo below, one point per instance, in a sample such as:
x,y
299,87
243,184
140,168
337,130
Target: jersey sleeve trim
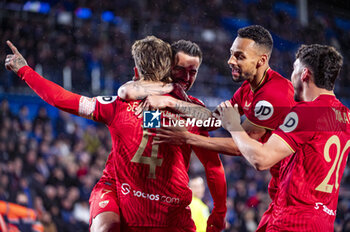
x,y
264,127
284,142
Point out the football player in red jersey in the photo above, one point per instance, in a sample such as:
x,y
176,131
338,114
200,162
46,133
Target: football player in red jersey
x,y
187,59
104,203
312,144
265,98
144,186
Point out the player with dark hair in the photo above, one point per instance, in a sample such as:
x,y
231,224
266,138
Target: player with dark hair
x,y
312,144
265,98
187,58
259,34
144,186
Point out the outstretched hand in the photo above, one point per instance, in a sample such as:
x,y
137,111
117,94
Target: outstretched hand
x,y
14,61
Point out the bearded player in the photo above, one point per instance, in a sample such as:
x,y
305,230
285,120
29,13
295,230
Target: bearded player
x,y
144,186
265,98
312,144
187,60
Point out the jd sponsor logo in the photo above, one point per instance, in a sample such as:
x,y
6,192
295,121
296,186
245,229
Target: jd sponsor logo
x,y
290,122
263,110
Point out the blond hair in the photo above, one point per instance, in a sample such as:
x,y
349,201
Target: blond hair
x,y
153,59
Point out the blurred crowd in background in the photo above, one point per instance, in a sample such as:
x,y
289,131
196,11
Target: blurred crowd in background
x,y
51,164
90,37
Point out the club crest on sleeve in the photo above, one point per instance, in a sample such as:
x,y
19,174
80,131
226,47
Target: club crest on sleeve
x,y
151,119
263,110
290,122
106,99
103,204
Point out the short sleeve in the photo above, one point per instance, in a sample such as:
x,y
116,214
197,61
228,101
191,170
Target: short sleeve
x,y
270,108
297,128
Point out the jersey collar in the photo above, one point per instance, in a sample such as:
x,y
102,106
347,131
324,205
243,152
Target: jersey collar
x,y
324,94
261,81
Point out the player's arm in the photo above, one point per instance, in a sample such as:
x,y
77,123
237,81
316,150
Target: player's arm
x,y
137,90
50,92
215,175
152,91
180,136
261,156
189,110
222,145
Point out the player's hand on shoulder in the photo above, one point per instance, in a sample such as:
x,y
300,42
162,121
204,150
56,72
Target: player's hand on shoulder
x,y
152,102
14,61
229,116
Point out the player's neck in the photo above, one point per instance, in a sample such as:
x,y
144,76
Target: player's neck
x,y
312,92
259,78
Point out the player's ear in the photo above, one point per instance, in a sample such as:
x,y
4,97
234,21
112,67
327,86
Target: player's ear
x,y
262,61
306,75
136,74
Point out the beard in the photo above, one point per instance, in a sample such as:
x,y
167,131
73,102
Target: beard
x,y
298,93
297,98
240,78
243,76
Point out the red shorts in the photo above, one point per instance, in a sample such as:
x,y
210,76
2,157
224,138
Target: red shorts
x,y
103,198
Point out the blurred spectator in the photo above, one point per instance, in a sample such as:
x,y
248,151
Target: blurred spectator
x,y
91,47
199,210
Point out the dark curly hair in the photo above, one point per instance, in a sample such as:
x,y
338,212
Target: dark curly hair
x,y
324,62
259,34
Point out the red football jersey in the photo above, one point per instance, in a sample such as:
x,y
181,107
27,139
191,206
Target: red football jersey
x,y
152,180
147,178
318,133
266,107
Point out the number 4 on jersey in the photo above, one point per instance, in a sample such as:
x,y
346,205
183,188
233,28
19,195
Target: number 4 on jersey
x,y
152,161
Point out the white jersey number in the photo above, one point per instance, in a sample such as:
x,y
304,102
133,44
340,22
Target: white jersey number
x,y
325,186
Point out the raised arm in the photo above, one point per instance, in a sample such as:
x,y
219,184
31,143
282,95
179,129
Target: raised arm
x,y
50,92
152,91
187,109
214,171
